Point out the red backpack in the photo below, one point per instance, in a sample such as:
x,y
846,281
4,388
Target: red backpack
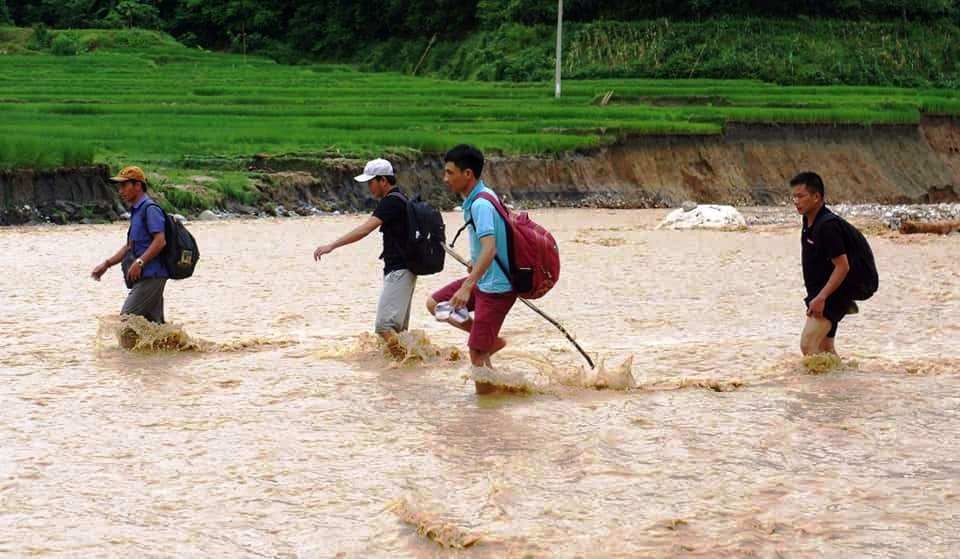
x,y
533,252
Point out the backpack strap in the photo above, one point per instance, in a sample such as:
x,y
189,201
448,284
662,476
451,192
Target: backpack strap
x,y
143,218
457,236
505,216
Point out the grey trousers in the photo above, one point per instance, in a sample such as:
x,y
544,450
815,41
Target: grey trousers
x,y
393,310
146,299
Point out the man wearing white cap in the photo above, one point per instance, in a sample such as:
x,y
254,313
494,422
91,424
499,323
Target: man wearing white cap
x,y
393,311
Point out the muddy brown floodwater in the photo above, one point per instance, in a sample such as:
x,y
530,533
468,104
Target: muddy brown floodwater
x,y
280,430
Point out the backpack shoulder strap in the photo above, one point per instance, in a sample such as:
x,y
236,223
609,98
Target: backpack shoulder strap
x,y
143,217
163,213
469,221
505,216
497,204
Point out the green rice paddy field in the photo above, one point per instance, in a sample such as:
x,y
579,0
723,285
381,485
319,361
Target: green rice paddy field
x,y
141,97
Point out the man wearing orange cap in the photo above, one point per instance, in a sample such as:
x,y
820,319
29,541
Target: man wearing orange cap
x,y
144,273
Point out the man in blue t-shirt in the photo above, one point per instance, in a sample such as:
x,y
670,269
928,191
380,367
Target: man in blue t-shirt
x,y
486,290
145,274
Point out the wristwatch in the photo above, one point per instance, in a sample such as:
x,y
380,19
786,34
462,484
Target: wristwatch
x,y
139,261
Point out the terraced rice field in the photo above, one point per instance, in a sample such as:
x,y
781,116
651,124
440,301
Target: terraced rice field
x,y
140,96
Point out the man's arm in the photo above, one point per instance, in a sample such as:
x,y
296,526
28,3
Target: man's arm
x,y
488,251
117,257
841,267
353,236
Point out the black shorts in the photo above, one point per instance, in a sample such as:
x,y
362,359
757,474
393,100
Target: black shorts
x,y
838,305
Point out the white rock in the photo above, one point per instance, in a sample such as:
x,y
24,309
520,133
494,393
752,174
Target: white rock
x,y
689,206
125,216
180,218
704,216
207,215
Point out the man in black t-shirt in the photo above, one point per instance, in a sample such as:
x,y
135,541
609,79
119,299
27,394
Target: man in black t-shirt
x,y
393,311
827,253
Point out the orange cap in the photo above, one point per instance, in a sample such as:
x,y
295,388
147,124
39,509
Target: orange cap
x,y
131,173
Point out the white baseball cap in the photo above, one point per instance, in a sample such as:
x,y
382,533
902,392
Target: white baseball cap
x,y
375,168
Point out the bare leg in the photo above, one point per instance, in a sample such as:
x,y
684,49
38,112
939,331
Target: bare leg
x,y
814,333
482,359
827,346
499,344
477,358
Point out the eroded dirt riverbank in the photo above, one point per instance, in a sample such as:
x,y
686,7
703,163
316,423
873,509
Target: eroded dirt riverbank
x,y
747,165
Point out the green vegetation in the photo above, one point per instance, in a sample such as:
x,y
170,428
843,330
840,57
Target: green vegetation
x,y
910,43
141,97
185,190
786,52
42,153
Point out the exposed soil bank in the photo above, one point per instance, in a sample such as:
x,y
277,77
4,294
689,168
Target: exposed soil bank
x,y
747,165
67,194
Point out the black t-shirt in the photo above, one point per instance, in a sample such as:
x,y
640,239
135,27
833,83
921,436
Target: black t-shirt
x,y
822,242
392,210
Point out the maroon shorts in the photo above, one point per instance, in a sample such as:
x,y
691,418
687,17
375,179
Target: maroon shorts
x,y
489,311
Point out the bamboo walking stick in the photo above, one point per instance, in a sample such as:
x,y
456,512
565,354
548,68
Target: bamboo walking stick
x,y
532,307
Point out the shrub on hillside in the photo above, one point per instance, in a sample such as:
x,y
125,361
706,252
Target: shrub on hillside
x,y
133,13
5,18
41,38
64,45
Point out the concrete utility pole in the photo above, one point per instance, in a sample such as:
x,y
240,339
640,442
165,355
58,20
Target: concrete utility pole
x,y
559,33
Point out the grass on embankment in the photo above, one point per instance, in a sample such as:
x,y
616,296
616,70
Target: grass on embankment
x,y
140,97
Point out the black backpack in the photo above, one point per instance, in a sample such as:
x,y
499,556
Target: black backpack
x,y
863,268
426,234
180,255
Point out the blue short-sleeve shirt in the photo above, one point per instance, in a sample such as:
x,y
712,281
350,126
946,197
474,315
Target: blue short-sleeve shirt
x,y
487,221
142,232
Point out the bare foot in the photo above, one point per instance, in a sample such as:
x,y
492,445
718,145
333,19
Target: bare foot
x,y
396,351
484,388
129,338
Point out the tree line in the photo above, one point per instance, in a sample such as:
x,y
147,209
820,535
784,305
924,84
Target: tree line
x,y
333,28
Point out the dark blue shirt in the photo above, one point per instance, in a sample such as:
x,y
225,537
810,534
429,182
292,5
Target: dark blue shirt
x,y
142,232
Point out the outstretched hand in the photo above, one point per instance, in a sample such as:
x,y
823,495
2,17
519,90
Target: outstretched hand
x,y
321,250
98,272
